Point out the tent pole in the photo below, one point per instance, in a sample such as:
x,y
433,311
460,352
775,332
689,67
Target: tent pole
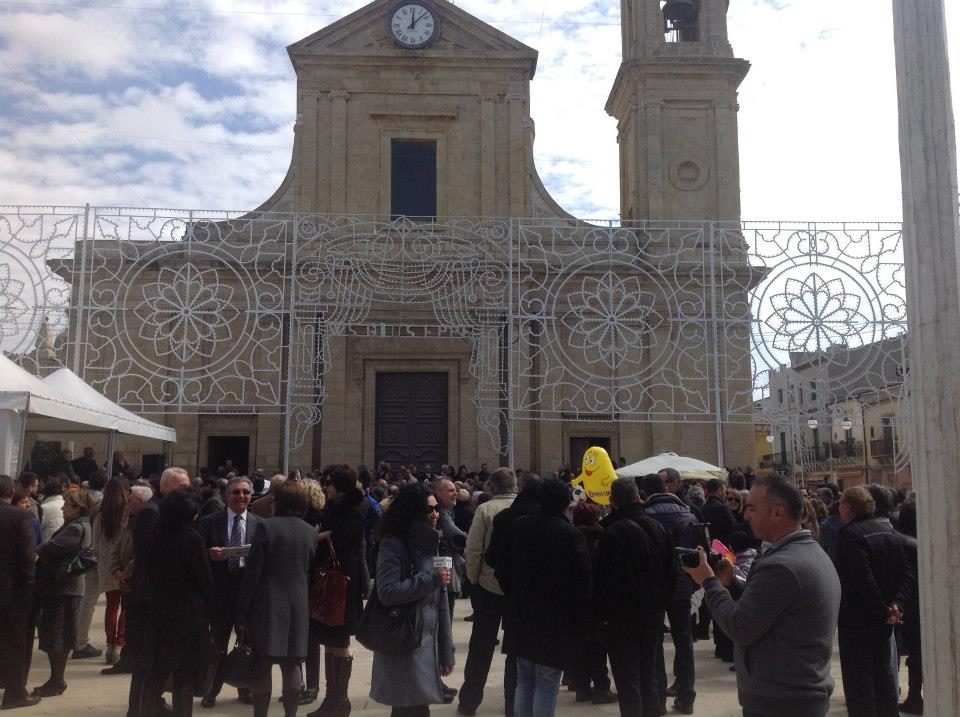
x,y
20,444
111,446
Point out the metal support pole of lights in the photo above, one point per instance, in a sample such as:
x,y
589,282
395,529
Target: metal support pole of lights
x,y
863,424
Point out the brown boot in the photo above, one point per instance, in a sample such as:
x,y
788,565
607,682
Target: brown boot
x,y
326,706
342,669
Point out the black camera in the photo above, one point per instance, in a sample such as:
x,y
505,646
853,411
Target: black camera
x,y
690,557
687,557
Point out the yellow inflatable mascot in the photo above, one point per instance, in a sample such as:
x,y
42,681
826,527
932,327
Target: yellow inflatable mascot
x,y
596,475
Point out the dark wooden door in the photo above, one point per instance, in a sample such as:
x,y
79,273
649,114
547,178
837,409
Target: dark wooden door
x,y
411,419
224,448
579,446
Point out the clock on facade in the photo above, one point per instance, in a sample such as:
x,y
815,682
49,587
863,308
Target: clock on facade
x,y
413,24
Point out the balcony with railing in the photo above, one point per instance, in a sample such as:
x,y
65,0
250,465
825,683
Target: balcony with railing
x,y
882,448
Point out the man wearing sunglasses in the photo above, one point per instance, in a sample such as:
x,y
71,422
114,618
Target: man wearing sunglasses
x,y
233,526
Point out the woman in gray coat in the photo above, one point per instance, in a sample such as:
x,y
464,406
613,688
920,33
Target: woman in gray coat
x,y
59,595
272,605
410,683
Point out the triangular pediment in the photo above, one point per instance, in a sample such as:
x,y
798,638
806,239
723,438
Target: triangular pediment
x,y
365,32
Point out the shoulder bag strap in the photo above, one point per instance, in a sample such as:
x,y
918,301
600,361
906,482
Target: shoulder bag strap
x,y
333,552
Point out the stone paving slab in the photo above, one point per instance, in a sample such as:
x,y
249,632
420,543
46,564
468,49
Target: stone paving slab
x,y
90,693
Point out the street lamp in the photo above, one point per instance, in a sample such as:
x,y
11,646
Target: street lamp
x,y
813,423
847,424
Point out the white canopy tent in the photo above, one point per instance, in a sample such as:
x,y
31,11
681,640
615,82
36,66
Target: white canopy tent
x,y
689,468
62,402
69,384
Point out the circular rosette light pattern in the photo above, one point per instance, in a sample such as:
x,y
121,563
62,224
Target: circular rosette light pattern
x,y
814,314
12,306
187,313
612,320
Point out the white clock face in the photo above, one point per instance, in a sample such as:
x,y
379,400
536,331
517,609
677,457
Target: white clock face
x,y
413,25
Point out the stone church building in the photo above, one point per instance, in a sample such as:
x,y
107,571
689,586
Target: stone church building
x,y
414,118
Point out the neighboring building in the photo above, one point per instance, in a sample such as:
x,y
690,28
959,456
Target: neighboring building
x,y
840,415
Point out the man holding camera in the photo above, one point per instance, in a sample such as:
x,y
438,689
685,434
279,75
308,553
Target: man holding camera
x,y
784,622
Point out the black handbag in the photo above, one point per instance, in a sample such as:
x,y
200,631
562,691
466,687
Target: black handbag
x,y
82,562
241,668
390,630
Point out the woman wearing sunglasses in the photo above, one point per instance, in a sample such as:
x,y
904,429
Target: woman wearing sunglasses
x,y
406,574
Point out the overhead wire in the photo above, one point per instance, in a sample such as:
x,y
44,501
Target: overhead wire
x,y
196,10
39,98
169,13
199,65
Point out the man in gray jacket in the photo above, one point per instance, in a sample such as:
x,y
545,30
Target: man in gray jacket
x,y
784,622
487,599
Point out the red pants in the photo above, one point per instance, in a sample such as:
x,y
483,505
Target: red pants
x,y
114,619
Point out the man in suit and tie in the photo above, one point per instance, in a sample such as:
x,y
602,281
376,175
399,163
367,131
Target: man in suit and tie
x,y
231,527
17,548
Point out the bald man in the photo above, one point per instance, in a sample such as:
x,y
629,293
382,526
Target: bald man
x,y
138,599
263,507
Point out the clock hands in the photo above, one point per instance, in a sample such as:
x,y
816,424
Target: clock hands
x,y
415,19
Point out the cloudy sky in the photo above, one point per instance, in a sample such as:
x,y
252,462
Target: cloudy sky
x,y
190,103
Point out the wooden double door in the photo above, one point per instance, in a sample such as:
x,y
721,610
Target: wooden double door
x,y
411,419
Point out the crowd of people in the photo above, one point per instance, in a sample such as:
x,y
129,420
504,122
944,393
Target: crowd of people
x,y
584,594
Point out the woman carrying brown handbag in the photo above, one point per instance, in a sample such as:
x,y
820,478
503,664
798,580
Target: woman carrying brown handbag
x,y
343,525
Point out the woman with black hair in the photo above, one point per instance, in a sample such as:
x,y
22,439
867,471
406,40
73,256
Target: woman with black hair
x,y
406,574
342,525
181,586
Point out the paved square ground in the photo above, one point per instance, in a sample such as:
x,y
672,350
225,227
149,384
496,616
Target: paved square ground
x,y
90,693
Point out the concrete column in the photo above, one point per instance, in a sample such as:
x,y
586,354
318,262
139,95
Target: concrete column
x,y
653,203
928,158
488,155
517,104
338,151
307,142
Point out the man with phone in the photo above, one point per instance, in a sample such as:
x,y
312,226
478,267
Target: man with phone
x,y
228,533
783,624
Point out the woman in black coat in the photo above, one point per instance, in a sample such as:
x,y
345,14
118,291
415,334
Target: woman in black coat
x,y
343,526
407,575
181,586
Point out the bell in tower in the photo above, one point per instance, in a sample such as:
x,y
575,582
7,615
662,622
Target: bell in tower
x,y
675,99
681,20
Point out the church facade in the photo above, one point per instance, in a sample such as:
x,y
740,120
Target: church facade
x,y
412,293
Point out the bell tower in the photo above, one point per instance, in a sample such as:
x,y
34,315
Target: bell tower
x,y
675,100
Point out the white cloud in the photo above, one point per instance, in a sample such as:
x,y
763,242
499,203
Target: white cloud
x,y
194,105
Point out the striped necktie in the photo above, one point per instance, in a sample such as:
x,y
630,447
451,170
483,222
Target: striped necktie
x,y
233,563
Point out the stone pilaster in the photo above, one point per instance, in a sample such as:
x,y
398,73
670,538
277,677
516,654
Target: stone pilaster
x,y
928,158
517,104
338,151
488,154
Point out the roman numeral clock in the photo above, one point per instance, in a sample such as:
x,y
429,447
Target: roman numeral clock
x,y
413,25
